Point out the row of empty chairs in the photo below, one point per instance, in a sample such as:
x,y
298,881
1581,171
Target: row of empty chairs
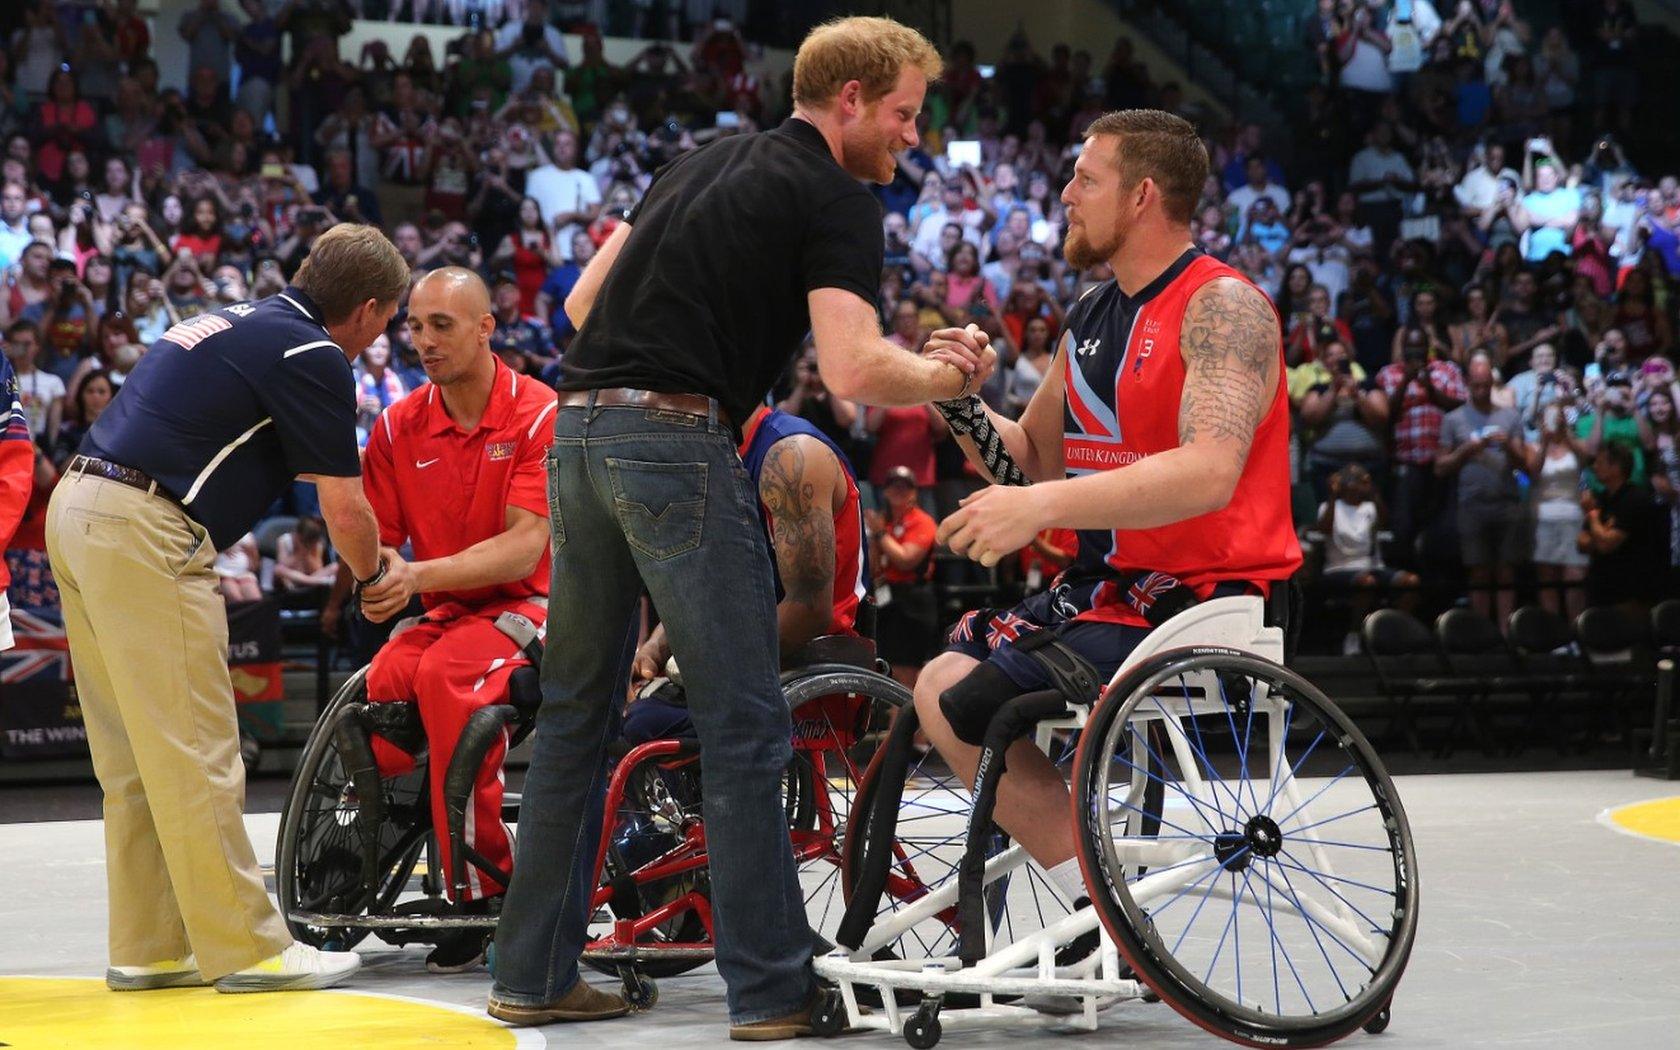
x,y
1543,670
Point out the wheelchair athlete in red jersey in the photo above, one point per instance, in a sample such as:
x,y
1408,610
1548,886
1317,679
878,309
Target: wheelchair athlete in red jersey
x,y
456,469
1160,435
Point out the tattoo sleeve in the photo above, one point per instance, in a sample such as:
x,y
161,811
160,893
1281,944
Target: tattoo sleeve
x,y
804,526
1230,345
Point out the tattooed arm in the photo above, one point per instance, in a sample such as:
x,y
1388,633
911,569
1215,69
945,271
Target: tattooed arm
x,y
798,485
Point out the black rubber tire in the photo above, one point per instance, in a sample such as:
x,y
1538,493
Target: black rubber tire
x,y
640,991
1140,948
1378,1024
828,1018
403,855
923,1030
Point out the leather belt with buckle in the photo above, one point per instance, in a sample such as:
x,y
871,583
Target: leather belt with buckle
x,y
689,404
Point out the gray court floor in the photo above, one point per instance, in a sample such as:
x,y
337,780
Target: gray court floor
x,y
1541,926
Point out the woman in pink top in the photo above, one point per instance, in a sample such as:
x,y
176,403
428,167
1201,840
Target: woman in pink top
x,y
965,285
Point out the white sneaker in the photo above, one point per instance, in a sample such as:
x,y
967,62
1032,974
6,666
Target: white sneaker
x,y
298,968
171,973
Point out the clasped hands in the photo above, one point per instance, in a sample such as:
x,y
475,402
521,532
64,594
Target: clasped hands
x,y
392,593
968,350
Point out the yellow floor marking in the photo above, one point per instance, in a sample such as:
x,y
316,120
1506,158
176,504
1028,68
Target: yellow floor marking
x,y
1657,819
55,1013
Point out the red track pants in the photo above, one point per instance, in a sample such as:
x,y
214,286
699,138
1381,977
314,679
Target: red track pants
x,y
451,664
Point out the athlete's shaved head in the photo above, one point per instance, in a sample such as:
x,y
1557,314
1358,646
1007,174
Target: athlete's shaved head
x,y
450,320
466,288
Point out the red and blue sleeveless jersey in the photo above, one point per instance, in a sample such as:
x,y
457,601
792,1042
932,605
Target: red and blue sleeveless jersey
x,y
1124,381
764,428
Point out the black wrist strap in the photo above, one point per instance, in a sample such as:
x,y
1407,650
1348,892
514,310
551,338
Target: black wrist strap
x,y
379,574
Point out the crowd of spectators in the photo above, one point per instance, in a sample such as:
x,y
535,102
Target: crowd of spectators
x,y
1473,278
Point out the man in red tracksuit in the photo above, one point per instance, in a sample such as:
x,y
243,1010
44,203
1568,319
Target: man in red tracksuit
x,y
456,469
17,472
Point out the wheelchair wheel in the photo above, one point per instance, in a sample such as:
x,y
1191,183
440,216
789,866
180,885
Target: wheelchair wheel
x,y
320,858
928,847
840,719
659,804
1268,889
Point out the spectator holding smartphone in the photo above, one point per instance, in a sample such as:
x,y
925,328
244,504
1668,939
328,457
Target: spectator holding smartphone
x,y
1482,446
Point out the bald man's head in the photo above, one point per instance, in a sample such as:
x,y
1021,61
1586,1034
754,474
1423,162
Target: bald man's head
x,y
450,320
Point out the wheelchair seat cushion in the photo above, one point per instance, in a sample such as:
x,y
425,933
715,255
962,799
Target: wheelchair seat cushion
x,y
847,649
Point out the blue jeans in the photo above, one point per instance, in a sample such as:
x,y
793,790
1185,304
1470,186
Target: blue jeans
x,y
647,498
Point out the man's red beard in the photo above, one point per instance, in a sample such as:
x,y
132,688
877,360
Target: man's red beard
x,y
1080,253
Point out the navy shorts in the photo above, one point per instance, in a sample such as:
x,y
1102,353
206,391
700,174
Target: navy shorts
x,y
989,635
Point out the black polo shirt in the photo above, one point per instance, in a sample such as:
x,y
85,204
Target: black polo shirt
x,y
228,407
708,294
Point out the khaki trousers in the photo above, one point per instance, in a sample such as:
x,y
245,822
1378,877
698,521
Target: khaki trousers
x,y
148,638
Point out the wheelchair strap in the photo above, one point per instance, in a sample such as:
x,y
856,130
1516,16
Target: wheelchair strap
x,y
483,728
1071,674
886,772
1014,720
524,633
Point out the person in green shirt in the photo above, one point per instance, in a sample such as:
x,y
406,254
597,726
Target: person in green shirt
x,y
1612,421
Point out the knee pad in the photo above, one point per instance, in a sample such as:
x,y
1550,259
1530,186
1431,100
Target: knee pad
x,y
970,704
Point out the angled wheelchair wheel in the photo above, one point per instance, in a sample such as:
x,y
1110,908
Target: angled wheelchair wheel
x,y
928,847
331,858
840,719
1248,852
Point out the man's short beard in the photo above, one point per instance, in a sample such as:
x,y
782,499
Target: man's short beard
x,y
1082,254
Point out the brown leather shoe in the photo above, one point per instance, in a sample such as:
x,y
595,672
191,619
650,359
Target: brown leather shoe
x,y
582,1003
788,1026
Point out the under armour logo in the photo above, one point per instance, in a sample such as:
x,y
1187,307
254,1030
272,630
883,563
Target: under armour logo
x,y
1088,347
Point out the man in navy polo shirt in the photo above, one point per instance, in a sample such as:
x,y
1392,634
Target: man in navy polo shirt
x,y
216,421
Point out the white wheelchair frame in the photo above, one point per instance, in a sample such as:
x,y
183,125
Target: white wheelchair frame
x,y
1027,967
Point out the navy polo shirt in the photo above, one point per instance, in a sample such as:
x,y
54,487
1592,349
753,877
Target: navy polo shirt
x,y
228,407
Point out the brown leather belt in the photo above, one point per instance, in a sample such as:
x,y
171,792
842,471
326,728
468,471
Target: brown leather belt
x,y
120,474
620,396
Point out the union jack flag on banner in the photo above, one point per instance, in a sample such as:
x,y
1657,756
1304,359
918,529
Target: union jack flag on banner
x,y
39,715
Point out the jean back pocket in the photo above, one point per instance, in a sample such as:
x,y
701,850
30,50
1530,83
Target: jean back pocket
x,y
660,506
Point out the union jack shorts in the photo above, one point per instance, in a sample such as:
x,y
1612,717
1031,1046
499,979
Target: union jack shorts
x,y
989,635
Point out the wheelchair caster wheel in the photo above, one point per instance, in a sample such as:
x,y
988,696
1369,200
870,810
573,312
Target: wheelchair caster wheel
x,y
1378,1024
828,1018
640,992
923,1030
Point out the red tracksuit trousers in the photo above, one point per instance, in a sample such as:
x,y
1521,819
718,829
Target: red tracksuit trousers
x,y
452,663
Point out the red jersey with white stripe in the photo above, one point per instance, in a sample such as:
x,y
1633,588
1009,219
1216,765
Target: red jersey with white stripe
x,y
764,428
1124,382
443,489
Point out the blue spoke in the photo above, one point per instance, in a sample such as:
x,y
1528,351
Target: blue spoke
x,y
1312,928
1271,929
1242,750
1351,845
1335,878
1326,820
1206,896
1213,793
1176,786
1283,748
1236,939
1360,959
1203,860
1163,819
1337,779
1296,768
1375,926
1200,749
1207,977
